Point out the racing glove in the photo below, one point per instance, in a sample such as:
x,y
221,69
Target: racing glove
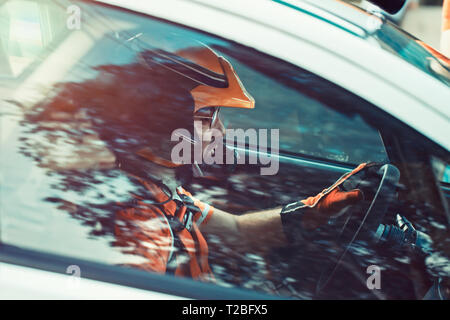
x,y
300,217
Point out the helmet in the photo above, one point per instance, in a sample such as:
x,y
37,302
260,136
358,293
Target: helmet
x,y
215,84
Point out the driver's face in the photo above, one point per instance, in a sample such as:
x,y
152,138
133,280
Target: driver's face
x,y
204,128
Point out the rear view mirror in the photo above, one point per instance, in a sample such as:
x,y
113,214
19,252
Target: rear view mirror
x,y
390,6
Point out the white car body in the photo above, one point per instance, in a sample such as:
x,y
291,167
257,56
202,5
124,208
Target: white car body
x,y
18,282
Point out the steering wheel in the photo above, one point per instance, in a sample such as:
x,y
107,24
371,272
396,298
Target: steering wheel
x,y
363,227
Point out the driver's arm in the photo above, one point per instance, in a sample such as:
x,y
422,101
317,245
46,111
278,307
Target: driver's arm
x,y
267,229
263,230
257,231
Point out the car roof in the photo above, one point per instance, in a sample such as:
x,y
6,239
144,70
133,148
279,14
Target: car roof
x,y
329,38
336,12
341,14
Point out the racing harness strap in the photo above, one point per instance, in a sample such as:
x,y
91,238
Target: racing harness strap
x,y
155,228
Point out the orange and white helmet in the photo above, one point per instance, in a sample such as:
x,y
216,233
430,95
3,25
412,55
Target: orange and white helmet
x,y
213,83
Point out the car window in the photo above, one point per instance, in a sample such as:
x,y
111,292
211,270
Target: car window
x,y
87,132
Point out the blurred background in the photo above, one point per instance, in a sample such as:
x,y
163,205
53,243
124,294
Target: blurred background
x,y
421,18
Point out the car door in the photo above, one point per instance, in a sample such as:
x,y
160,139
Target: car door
x,y
73,143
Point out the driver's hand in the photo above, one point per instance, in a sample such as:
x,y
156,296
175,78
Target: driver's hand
x,y
323,207
315,211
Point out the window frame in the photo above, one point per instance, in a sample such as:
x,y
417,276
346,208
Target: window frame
x,y
129,277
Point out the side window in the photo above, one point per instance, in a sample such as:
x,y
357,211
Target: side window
x,y
26,29
305,108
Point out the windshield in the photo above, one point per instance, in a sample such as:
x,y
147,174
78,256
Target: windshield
x,y
413,51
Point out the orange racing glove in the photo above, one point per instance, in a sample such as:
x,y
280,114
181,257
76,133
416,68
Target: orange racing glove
x,y
311,213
